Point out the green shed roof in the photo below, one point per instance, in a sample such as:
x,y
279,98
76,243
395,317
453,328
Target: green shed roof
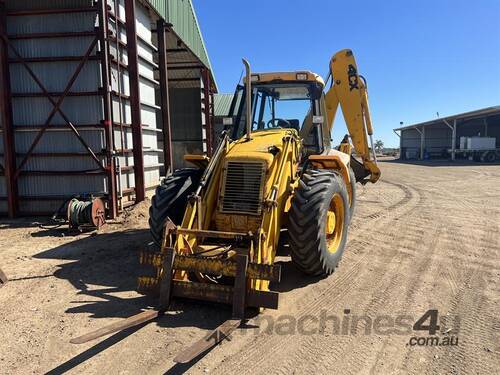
x,y
181,14
222,104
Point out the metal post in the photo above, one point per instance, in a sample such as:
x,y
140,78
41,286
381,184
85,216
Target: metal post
x,y
453,136
212,119
205,74
162,29
400,141
454,139
248,98
107,121
422,143
6,119
135,104
485,122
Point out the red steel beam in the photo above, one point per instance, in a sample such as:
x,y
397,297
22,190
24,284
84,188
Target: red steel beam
x,y
92,172
189,67
52,59
39,12
207,111
58,154
21,127
108,116
6,118
52,35
53,94
135,105
162,29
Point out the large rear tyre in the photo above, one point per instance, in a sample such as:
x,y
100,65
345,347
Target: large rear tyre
x,y
170,200
318,222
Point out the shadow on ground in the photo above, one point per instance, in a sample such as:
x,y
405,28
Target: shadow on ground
x,y
104,264
292,278
31,222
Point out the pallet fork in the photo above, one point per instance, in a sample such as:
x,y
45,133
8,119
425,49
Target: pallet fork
x,y
3,278
240,296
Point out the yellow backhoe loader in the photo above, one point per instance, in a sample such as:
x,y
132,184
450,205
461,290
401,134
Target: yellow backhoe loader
x,y
274,171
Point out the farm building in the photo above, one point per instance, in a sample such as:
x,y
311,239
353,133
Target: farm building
x,y
223,105
440,138
98,97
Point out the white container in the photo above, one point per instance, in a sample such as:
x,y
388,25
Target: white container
x,y
463,143
481,143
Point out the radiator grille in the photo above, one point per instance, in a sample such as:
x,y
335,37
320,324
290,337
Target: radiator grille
x,y
242,192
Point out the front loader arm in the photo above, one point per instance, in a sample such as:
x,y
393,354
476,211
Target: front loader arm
x,y
349,90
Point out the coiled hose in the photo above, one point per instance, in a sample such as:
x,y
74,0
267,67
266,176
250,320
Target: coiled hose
x,y
79,212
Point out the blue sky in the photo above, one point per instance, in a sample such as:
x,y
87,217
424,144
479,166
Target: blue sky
x,y
419,57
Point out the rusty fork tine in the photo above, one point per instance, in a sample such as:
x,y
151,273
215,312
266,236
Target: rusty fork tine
x,y
3,278
209,341
129,322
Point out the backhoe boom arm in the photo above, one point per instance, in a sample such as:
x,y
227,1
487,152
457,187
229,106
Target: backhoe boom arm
x,y
348,89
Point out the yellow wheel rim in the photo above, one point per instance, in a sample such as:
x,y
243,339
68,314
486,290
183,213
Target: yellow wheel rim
x,y
334,227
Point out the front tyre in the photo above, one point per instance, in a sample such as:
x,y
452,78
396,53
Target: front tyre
x,y
318,222
170,200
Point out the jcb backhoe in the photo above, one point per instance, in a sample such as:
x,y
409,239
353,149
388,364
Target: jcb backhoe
x,y
274,170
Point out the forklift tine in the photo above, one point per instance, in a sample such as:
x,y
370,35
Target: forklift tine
x,y
3,278
240,287
142,317
209,341
166,281
129,322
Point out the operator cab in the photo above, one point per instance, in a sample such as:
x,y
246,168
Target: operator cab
x,y
283,101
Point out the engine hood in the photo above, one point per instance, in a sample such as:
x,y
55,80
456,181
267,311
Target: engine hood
x,y
259,147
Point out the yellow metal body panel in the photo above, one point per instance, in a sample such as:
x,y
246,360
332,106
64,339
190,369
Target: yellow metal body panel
x,y
349,91
201,161
337,161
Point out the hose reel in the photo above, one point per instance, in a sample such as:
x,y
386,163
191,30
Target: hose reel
x,y
86,213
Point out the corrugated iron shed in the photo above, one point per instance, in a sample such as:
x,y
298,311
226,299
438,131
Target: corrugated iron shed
x,y
86,103
181,14
489,111
222,104
440,137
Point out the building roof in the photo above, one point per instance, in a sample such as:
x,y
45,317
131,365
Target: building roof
x,y
461,116
222,104
181,14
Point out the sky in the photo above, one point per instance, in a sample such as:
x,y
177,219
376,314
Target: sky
x,y
419,57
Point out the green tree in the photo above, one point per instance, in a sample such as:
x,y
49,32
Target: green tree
x,y
379,145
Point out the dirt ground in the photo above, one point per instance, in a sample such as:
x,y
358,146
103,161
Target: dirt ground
x,y
425,237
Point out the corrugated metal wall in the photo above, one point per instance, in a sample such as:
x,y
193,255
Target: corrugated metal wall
x,y
48,174
30,111
186,110
222,104
222,107
52,43
148,86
